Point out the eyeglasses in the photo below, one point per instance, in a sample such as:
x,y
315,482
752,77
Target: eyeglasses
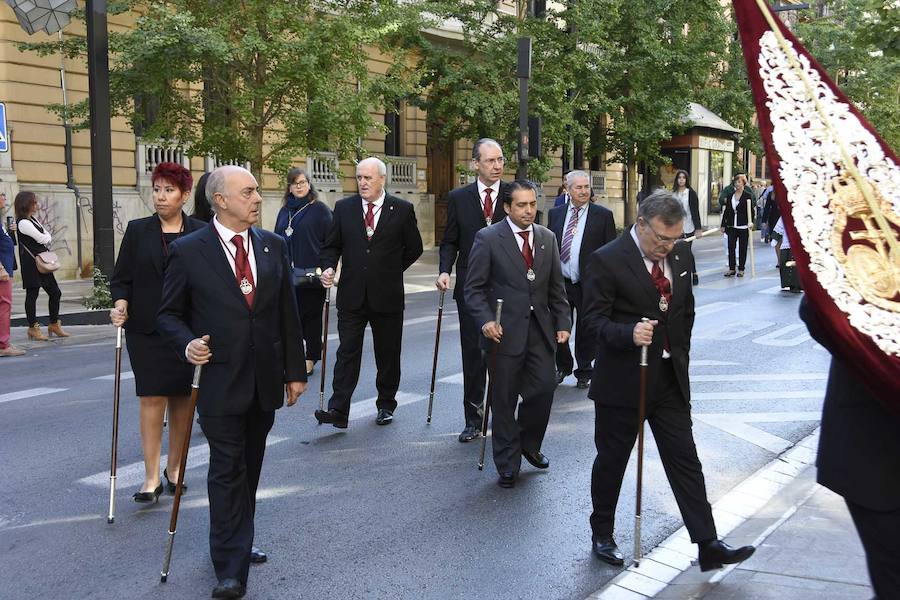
x,y
660,238
494,161
300,183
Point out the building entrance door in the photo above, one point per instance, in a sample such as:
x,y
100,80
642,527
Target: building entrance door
x,y
441,177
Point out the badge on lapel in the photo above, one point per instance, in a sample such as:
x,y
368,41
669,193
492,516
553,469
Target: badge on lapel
x,y
265,248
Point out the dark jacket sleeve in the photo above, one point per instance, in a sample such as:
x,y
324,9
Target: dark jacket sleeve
x,y
120,284
171,320
559,302
478,280
694,205
280,221
610,233
599,297
412,240
334,245
450,243
291,329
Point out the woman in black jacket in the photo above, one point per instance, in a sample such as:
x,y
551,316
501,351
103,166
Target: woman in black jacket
x,y
685,194
735,224
303,222
162,377
34,238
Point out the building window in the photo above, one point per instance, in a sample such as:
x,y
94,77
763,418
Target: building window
x,y
578,155
392,117
760,166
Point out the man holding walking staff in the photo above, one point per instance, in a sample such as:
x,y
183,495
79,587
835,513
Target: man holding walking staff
x,y
517,261
644,274
228,304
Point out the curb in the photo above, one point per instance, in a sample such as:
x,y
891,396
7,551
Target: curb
x,y
85,317
676,554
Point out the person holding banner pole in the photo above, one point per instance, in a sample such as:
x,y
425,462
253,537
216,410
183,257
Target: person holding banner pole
x,y
518,261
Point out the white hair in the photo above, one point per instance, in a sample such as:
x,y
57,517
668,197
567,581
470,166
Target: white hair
x,y
382,168
571,175
215,183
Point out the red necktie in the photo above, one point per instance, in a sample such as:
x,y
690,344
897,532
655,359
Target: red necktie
x,y
488,205
370,220
664,287
242,268
526,250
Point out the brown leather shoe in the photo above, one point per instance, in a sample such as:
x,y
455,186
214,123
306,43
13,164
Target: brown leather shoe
x,y
56,329
35,333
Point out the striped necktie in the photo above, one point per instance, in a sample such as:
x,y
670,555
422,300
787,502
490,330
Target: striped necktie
x,y
565,252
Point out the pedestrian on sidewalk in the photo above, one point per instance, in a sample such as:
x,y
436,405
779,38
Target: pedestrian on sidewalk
x,y
33,239
684,193
376,237
536,315
735,225
162,379
202,209
7,267
859,459
304,223
470,209
642,274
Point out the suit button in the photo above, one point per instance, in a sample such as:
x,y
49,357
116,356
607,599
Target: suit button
x,y
367,251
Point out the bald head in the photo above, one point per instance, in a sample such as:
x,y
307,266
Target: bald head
x,y
233,194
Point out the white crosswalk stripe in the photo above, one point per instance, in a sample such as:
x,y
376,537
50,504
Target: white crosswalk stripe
x,y
125,375
23,394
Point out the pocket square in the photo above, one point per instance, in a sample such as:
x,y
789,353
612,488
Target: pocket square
x,y
683,274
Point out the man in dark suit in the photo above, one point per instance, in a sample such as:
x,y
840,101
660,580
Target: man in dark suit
x,y
859,458
580,228
470,209
517,261
228,303
377,237
644,274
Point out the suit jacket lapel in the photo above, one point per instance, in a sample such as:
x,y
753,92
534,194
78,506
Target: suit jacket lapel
x,y
215,258
636,262
677,266
539,251
155,240
265,267
509,243
387,211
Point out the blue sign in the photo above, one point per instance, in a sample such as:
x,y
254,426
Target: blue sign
x,y
4,138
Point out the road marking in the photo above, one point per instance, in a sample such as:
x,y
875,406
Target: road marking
x,y
366,408
125,375
764,377
733,330
22,394
774,290
791,335
713,363
738,425
713,307
133,474
771,395
456,378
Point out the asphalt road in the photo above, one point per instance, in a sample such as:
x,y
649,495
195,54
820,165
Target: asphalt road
x,y
384,512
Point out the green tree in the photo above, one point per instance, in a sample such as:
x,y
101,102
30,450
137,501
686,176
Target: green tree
x,y
865,67
257,80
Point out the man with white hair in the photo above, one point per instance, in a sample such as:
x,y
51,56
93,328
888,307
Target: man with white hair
x,y
377,238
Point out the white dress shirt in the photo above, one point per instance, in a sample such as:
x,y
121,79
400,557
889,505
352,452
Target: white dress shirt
x,y
735,201
648,263
571,269
684,196
230,249
495,192
516,229
376,210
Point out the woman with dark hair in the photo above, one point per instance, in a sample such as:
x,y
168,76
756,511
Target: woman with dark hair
x,y
303,222
735,224
685,194
202,210
162,378
34,239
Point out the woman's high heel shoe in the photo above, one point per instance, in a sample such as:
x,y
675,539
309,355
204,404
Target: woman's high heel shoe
x,y
56,329
148,497
35,333
172,485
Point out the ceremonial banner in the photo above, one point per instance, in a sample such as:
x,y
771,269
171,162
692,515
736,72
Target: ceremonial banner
x,y
838,187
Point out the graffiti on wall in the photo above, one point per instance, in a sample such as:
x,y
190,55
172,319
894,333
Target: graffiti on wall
x,y
48,215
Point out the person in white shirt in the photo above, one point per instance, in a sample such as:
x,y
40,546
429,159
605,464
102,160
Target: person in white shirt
x,y
686,195
735,225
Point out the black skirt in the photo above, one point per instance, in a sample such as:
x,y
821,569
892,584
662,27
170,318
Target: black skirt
x,y
158,370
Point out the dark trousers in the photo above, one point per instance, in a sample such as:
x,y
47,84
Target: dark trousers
x,y
473,363
691,250
879,533
310,302
48,282
584,345
387,335
237,444
737,237
529,375
615,431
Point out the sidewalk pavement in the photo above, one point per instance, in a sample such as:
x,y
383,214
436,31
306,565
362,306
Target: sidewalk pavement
x,y
807,546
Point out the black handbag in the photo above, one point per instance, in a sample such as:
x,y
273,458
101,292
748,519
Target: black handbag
x,y
307,277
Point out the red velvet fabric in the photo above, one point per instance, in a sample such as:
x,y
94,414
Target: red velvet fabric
x,y
879,371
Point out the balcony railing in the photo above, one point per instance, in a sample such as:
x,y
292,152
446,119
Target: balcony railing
x,y
212,162
401,172
148,156
323,168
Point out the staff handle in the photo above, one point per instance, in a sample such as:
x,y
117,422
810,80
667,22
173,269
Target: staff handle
x,y
113,455
327,310
642,409
437,342
750,239
490,391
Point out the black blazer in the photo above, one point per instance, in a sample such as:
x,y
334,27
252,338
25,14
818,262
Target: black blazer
x,y
728,211
254,351
372,270
138,274
859,448
465,217
599,230
497,270
618,291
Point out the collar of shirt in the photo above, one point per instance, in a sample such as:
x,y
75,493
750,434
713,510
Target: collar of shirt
x,y
648,263
516,229
494,194
377,203
226,234
582,211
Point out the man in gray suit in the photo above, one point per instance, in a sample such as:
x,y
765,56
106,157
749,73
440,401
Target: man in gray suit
x,y
517,260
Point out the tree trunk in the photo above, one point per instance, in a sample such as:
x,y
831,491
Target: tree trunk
x,y
631,190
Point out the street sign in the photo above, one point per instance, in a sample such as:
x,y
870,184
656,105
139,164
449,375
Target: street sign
x,y
4,138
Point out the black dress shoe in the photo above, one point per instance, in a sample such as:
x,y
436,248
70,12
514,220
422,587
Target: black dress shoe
x,y
537,460
507,479
606,550
148,497
332,416
229,588
716,553
583,383
560,375
257,556
171,485
385,417
469,433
